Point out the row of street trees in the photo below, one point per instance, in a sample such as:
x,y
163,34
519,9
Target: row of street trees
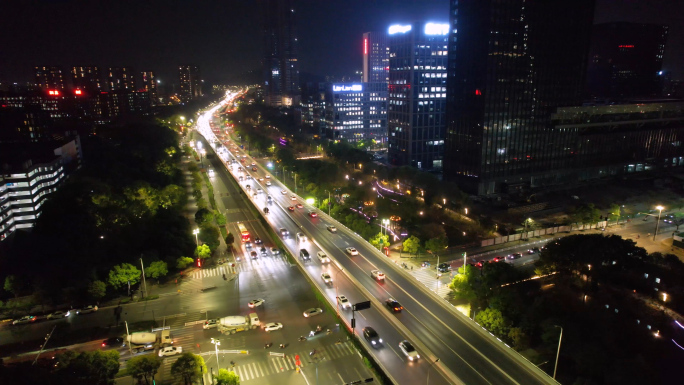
x,y
125,202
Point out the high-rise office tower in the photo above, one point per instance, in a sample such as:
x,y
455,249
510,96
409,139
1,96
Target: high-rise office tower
x,y
417,94
121,78
375,57
149,85
86,78
190,83
356,111
49,77
625,60
281,77
511,64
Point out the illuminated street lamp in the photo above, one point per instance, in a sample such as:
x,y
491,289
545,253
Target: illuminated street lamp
x,y
466,211
216,343
196,231
660,211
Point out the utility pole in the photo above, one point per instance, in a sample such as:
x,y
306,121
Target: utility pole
x,y
558,352
44,343
295,183
128,339
464,262
143,276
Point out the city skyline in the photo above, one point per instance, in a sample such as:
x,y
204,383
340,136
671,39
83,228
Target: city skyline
x,y
225,39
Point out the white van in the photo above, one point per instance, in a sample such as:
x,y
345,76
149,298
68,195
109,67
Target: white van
x,y
322,257
302,238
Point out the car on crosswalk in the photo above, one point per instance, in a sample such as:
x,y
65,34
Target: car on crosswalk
x,y
170,351
273,326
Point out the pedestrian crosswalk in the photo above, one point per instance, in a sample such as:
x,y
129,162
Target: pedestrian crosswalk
x,y
428,277
274,364
215,271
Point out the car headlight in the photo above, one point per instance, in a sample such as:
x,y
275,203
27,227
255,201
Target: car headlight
x,y
410,358
380,340
417,355
373,342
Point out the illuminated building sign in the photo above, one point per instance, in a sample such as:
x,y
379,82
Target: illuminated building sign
x,y
78,92
347,88
399,29
53,92
436,29
365,46
626,46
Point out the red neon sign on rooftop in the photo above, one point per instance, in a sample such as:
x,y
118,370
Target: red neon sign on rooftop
x,y
53,92
365,46
626,46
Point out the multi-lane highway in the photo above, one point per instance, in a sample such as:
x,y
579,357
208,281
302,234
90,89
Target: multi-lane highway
x,y
466,353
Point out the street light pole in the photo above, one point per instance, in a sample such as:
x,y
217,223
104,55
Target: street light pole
x,y
143,276
295,178
216,345
558,352
196,231
660,211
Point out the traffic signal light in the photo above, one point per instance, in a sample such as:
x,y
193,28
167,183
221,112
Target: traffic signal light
x,y
199,262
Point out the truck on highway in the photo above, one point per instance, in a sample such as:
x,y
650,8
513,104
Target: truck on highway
x,y
142,341
237,323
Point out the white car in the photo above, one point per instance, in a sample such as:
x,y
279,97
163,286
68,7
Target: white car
x,y
210,324
294,198
343,302
408,350
351,251
377,274
268,183
283,192
332,229
256,302
312,312
59,314
87,309
272,326
326,278
170,351
259,191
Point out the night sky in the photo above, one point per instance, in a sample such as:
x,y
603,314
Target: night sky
x,y
223,37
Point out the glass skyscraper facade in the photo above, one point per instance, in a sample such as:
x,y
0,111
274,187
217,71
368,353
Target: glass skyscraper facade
x,y
375,57
356,111
512,63
417,94
281,77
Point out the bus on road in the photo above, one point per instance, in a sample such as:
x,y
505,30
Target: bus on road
x,y
244,234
